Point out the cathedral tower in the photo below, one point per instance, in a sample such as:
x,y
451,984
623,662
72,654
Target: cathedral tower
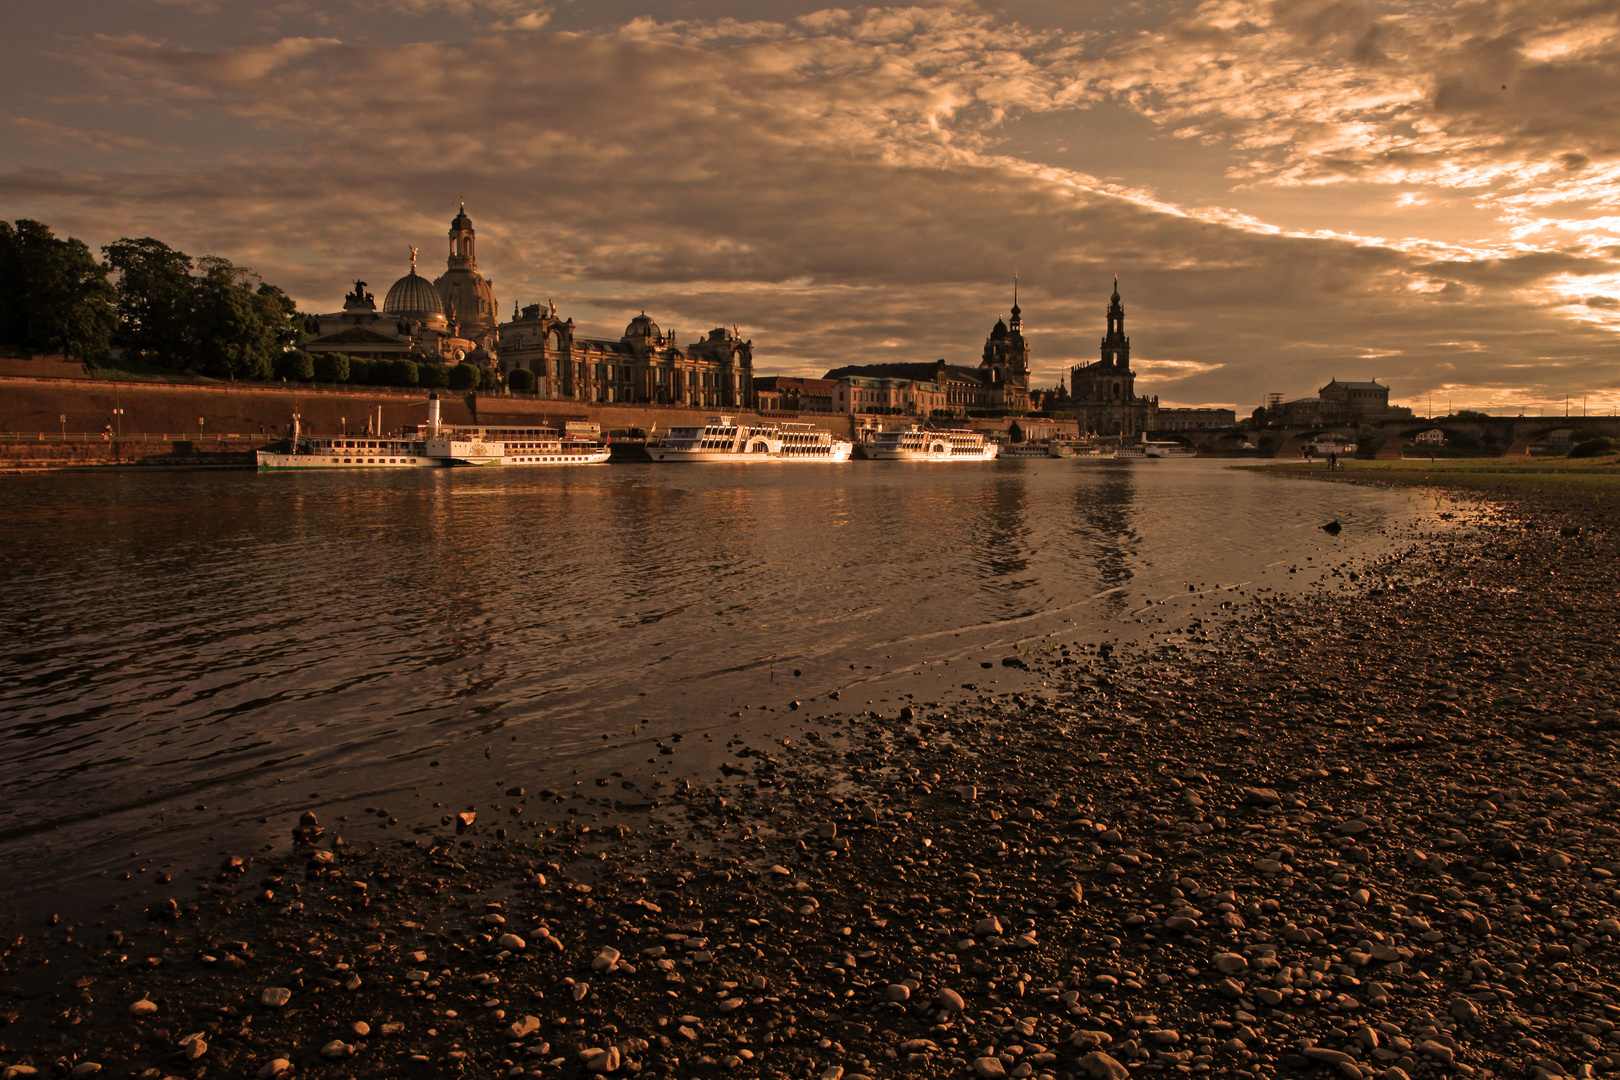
x,y
1116,347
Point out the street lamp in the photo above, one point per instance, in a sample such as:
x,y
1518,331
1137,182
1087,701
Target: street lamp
x,y
199,427
118,418
64,427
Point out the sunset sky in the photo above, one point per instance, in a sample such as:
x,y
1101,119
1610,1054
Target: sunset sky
x,y
1425,193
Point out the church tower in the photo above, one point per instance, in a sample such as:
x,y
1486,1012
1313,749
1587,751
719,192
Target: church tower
x,y
469,297
1006,359
1116,347
1102,395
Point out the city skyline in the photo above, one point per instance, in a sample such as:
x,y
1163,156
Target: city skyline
x,y
1291,192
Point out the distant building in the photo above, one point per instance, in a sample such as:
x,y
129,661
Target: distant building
x,y
1362,397
1102,396
1339,403
645,365
784,393
859,394
445,321
999,383
1195,419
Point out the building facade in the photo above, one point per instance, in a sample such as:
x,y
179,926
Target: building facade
x,y
1200,419
645,365
789,394
999,383
1102,396
1339,403
446,321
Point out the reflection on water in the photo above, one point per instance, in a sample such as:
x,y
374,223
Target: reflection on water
x,y
198,633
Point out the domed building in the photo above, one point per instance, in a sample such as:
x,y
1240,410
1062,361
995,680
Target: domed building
x,y
469,298
446,321
647,364
413,298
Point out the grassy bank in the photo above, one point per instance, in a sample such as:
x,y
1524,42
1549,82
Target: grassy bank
x,y
1593,480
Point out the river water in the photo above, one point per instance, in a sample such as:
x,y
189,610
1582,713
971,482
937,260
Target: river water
x,y
192,654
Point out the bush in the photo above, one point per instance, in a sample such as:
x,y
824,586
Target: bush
x,y
489,380
359,371
296,364
433,376
1601,446
465,377
521,381
404,373
331,367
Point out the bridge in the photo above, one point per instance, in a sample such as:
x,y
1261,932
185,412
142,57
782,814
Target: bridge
x,y
1386,438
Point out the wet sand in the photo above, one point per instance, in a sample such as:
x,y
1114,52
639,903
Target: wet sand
x,y
1364,831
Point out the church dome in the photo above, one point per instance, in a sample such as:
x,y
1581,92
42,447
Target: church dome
x,y
999,331
461,221
642,327
413,296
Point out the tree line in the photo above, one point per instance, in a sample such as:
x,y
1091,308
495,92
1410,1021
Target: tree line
x,y
158,305
165,309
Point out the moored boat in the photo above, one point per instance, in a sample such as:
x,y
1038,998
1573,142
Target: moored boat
x,y
725,438
917,444
434,445
1024,450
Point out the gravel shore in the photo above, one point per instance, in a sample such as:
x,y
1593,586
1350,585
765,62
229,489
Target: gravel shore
x,y
1365,831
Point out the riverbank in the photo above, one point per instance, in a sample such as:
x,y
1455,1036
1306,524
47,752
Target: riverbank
x,y
1360,832
1559,481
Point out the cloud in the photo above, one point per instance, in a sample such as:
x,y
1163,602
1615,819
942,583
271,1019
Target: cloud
x,y
841,183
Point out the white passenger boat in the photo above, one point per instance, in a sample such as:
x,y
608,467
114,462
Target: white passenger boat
x,y
1024,450
1064,448
725,438
1169,449
915,444
434,445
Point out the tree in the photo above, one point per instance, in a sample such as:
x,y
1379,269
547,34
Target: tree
x,y
54,296
489,379
230,336
331,367
434,376
154,300
359,370
295,364
464,377
405,373
521,381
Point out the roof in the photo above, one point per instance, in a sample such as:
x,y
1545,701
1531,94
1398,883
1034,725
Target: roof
x,y
1357,385
935,371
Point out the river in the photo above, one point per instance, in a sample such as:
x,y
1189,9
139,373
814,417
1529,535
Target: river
x,y
194,656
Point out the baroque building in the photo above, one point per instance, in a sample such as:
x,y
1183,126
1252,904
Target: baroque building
x,y
445,321
645,365
1102,396
999,383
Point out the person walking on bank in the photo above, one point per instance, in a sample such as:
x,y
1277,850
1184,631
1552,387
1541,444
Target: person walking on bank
x,y
1333,460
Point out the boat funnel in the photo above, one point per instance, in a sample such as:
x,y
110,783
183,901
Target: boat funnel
x,y
433,410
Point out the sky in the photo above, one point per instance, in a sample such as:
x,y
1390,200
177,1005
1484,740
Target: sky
x,y
1425,193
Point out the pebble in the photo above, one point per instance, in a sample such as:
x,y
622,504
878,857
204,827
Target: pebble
x,y
275,996
950,1000
142,1007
